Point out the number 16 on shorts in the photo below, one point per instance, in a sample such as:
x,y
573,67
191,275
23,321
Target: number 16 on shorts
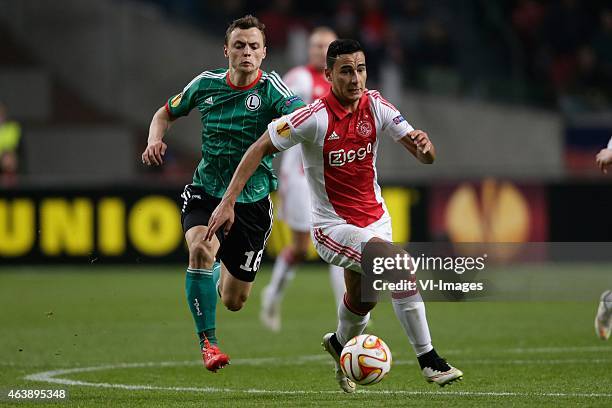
x,y
250,264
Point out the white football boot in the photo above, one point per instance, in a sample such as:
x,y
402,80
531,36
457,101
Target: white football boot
x,y
442,377
334,348
270,315
603,319
435,369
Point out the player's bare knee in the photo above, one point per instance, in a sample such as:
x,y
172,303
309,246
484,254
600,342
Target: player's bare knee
x,y
234,303
201,254
357,305
377,247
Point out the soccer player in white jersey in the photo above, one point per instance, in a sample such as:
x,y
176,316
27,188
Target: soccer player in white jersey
x,y
308,82
339,135
603,319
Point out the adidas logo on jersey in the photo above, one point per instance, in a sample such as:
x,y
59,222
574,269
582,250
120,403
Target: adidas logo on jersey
x,y
333,136
209,100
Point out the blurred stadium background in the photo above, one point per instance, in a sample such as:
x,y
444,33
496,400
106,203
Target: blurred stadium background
x,y
516,95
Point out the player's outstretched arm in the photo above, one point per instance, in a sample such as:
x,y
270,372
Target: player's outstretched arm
x,y
604,159
156,148
223,216
417,142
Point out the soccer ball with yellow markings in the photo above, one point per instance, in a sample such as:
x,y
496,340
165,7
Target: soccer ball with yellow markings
x,y
365,359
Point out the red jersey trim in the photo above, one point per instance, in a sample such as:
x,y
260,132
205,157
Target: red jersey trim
x,y
167,107
336,247
377,95
302,116
245,87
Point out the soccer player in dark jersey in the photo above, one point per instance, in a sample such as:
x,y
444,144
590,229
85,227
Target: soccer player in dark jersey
x,y
236,104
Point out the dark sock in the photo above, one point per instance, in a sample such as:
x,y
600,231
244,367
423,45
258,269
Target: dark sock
x,y
202,299
431,359
207,334
336,344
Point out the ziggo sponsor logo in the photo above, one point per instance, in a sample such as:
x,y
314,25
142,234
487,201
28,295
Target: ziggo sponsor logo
x,y
341,157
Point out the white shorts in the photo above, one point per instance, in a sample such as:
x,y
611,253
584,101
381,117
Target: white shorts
x,y
294,192
342,244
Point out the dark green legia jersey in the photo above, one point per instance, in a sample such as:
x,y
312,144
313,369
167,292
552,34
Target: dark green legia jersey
x,y
232,119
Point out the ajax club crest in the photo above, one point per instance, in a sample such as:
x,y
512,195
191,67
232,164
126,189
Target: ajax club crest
x,y
364,128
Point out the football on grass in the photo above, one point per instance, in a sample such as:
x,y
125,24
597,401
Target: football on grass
x,y
365,359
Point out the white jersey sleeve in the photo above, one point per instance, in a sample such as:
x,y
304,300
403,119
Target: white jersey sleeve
x,y
610,143
391,120
299,80
300,126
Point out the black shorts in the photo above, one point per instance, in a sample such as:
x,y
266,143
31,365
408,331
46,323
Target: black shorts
x,y
242,249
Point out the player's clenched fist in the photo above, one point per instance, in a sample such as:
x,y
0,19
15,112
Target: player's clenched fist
x,y
421,140
154,153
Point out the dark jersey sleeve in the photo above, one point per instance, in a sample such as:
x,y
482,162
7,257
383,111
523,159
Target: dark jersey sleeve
x,y
182,103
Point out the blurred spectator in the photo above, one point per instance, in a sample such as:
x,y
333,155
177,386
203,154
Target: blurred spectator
x,y
588,88
346,20
602,46
562,48
280,22
565,29
10,138
391,75
527,19
434,60
214,16
407,24
434,48
584,91
373,32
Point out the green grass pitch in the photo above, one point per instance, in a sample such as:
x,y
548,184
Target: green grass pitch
x,y
105,329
